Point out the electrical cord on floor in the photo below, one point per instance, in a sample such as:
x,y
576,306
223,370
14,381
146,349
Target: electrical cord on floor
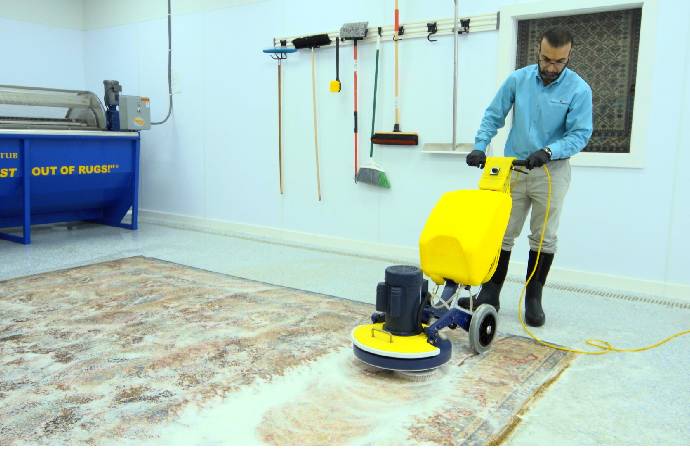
x,y
603,346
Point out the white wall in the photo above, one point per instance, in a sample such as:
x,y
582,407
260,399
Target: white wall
x,y
218,158
679,217
628,222
223,141
53,13
42,43
106,14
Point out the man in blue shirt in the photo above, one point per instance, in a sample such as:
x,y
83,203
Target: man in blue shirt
x,y
552,120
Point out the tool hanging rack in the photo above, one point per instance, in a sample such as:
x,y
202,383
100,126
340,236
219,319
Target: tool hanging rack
x,y
411,30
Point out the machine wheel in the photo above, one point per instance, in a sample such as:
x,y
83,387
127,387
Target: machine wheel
x,y
483,328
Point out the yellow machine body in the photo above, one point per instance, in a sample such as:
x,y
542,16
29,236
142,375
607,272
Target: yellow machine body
x,y
374,339
462,237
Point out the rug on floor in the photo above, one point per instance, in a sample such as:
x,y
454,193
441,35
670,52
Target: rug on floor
x,y
145,351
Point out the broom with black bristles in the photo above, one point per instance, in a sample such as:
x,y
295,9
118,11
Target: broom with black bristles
x,y
396,137
313,42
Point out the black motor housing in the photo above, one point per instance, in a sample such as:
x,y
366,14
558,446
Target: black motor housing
x,y
401,298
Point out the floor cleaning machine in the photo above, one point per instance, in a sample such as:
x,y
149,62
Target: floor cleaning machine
x,y
458,248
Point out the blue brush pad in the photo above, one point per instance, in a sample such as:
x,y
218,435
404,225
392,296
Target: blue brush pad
x,y
407,365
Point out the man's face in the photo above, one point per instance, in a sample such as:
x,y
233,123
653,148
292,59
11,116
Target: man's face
x,y
552,60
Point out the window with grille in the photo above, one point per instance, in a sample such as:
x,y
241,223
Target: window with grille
x,y
604,55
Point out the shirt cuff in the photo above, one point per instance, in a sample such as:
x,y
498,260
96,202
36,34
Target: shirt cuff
x,y
480,145
556,150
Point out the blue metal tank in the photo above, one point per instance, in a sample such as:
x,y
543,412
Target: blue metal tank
x,y
49,176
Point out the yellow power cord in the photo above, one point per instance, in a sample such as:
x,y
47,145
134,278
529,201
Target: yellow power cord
x,y
603,346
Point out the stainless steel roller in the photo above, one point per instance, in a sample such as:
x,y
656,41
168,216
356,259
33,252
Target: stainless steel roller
x,y
54,109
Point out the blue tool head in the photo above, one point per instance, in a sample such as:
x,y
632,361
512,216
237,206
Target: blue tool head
x,y
279,53
280,50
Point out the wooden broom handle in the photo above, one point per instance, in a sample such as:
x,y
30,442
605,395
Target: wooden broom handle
x,y
280,128
316,138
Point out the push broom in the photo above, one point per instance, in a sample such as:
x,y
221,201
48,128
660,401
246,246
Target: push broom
x,y
355,31
313,42
370,172
396,137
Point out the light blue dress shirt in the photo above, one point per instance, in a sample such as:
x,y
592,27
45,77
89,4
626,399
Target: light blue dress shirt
x,y
558,115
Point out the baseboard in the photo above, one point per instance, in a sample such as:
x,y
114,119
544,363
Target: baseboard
x,y
612,286
572,280
349,247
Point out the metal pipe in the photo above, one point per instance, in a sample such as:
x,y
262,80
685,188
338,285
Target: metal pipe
x,y
455,74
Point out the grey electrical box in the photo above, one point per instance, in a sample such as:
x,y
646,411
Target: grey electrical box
x,y
135,113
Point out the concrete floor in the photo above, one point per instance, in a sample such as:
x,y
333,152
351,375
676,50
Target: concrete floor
x,y
625,399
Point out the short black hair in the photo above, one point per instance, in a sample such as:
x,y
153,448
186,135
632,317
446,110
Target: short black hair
x,y
557,37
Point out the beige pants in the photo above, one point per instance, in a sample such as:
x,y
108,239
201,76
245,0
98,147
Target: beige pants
x,y
530,191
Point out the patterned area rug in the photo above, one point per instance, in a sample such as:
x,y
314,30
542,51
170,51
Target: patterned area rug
x,y
142,351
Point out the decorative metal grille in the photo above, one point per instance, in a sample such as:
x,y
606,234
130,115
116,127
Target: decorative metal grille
x,y
604,55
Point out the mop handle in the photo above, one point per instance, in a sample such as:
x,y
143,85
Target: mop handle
x,y
356,145
316,139
280,127
376,82
395,39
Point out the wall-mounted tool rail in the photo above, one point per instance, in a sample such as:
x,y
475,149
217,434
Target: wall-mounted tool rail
x,y
412,30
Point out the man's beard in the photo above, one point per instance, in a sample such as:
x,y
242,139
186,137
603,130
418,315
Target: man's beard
x,y
548,75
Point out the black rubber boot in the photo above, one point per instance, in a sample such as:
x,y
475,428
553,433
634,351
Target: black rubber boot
x,y
491,290
534,314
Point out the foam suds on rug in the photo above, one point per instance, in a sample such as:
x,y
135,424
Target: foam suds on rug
x,y
337,400
331,401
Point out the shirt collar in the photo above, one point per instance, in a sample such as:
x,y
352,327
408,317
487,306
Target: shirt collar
x,y
556,81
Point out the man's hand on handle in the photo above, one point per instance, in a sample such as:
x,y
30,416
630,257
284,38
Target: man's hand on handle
x,y
538,159
476,158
